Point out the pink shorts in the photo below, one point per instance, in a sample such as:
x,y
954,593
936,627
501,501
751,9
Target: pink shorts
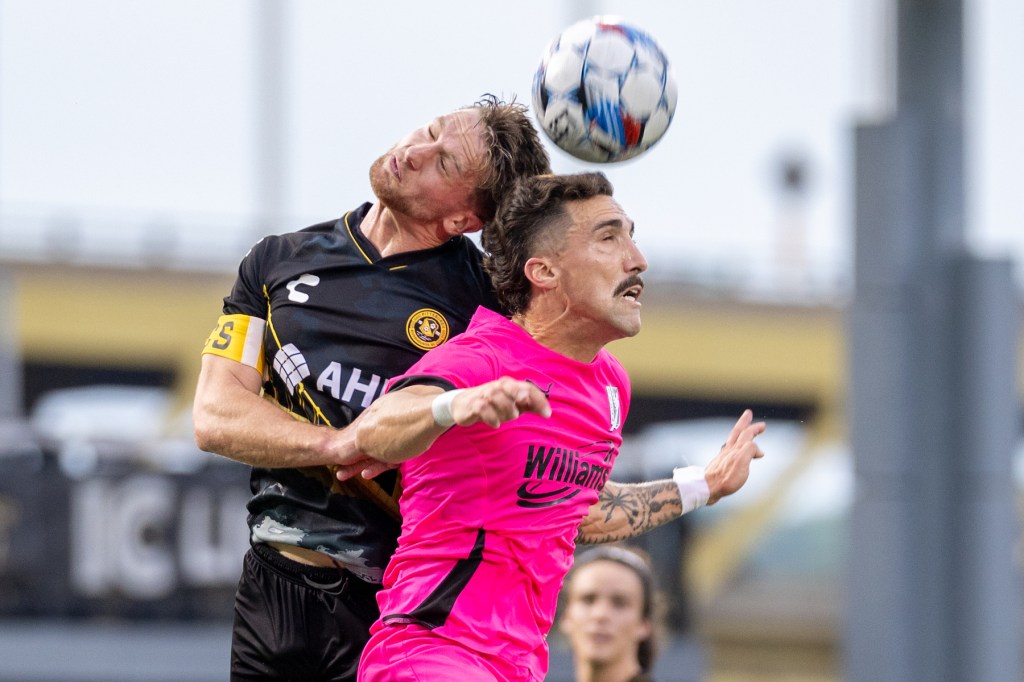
x,y
412,653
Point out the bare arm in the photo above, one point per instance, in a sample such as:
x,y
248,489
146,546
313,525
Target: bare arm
x,y
231,419
626,510
400,425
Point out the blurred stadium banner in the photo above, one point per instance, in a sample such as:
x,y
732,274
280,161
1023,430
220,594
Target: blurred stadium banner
x,y
119,539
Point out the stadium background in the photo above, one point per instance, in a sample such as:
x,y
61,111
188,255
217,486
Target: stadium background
x,y
121,286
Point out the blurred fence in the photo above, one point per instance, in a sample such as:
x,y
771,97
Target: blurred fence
x,y
213,244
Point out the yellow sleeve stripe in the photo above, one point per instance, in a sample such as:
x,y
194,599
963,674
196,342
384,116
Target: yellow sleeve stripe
x,y
238,338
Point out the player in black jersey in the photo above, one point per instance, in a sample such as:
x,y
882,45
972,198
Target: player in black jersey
x,y
315,324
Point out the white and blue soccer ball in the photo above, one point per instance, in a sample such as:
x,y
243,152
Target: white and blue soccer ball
x,y
604,90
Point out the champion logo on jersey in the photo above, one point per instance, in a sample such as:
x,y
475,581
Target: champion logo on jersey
x,y
291,366
614,408
427,328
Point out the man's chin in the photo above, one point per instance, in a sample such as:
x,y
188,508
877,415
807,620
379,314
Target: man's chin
x,y
630,328
385,185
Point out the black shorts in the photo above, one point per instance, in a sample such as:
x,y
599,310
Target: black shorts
x,y
298,622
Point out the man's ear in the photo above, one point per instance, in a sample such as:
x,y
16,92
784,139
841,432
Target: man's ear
x,y
541,272
462,223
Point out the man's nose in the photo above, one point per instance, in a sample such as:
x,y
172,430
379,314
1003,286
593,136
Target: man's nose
x,y
418,154
635,261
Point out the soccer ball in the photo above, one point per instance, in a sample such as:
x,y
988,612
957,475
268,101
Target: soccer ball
x,y
604,90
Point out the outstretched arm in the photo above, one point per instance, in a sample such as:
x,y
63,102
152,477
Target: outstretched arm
x,y
626,510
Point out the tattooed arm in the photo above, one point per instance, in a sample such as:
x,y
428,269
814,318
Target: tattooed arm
x,y
625,510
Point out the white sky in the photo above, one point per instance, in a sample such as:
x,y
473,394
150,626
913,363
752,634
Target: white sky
x,y
149,110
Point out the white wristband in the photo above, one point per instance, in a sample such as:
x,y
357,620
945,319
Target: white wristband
x,y
693,488
442,407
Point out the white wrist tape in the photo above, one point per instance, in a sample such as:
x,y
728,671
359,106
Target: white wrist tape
x,y
442,407
693,488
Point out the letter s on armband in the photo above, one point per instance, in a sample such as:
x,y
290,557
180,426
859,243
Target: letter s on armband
x,y
238,338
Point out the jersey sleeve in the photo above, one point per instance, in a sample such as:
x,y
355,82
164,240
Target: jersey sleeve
x,y
461,363
247,296
239,332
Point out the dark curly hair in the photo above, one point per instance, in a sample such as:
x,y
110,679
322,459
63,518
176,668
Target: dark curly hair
x,y
532,206
514,150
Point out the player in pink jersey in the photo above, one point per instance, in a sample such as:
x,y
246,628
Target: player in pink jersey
x,y
493,508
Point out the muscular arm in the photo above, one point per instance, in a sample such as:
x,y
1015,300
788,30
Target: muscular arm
x,y
625,510
231,419
400,424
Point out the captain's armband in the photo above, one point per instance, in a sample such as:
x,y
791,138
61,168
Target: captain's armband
x,y
238,338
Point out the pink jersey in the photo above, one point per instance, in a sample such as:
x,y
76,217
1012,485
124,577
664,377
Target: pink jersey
x,y
490,515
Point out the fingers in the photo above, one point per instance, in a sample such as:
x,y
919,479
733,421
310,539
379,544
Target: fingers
x,y
743,435
728,470
499,401
741,424
376,469
752,432
367,468
343,472
745,429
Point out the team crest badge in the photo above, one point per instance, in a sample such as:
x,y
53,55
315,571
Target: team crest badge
x,y
427,328
614,409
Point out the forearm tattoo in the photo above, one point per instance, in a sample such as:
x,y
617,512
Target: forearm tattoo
x,y
626,510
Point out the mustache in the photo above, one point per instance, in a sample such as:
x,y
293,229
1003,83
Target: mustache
x,y
628,283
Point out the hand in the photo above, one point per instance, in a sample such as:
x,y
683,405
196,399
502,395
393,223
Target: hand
x,y
367,467
499,401
730,468
348,461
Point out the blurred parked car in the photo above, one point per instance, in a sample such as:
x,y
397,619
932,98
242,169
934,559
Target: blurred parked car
x,y
87,424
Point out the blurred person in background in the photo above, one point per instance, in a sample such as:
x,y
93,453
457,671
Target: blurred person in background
x,y
610,615
506,436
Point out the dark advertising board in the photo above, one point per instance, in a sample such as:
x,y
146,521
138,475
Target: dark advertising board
x,y
120,537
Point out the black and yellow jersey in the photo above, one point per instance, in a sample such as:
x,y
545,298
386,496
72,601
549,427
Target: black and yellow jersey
x,y
328,321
